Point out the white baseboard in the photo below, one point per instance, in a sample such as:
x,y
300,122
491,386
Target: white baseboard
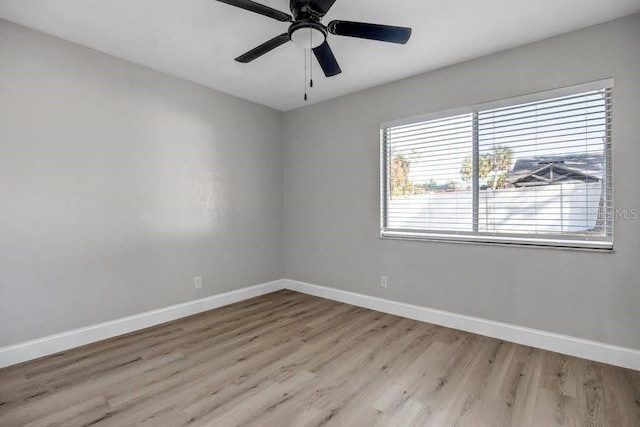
x,y
34,349
592,350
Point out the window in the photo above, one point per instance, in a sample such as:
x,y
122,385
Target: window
x,y
534,170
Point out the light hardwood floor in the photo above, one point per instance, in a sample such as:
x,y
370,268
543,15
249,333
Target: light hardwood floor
x,y
292,359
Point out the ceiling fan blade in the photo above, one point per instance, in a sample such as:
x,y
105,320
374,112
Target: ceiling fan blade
x,y
321,7
259,8
327,61
385,33
263,48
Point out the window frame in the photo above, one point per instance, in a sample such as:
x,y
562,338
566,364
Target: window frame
x,y
605,244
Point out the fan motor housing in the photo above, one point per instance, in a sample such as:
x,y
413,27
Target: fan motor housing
x,y
301,11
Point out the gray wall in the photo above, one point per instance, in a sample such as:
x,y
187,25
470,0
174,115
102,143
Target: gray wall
x,y
119,184
331,167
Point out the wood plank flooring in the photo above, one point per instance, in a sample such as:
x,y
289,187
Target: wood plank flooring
x,y
289,359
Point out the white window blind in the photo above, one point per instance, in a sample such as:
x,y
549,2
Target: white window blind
x,y
536,170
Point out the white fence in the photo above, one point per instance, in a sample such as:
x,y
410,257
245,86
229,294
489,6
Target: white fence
x,y
559,208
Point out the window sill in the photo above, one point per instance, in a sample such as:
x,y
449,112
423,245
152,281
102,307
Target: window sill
x,y
510,242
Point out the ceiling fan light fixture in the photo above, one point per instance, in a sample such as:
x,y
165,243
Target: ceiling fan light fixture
x,y
307,35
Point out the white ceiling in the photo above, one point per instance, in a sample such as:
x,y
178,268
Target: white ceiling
x,y
198,40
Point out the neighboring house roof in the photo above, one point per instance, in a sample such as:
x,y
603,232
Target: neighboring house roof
x,y
544,170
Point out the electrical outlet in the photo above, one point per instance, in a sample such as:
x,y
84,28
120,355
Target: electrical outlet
x,y
197,282
383,281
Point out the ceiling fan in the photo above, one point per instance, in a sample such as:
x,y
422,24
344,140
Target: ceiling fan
x,y
307,31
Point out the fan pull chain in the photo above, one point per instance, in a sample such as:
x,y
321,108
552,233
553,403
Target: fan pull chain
x,y
305,76
310,59
310,69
